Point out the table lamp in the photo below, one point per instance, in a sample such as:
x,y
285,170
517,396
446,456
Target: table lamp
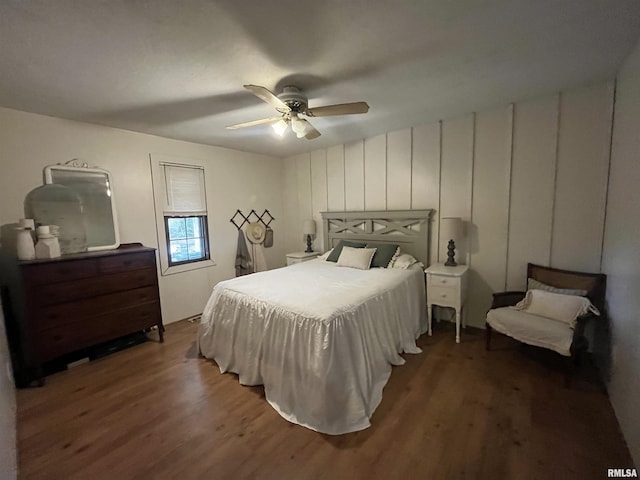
x,y
451,230
309,230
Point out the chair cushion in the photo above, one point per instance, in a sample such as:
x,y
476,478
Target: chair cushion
x,y
532,329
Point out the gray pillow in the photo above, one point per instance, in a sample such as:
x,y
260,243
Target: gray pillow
x,y
533,284
384,254
337,250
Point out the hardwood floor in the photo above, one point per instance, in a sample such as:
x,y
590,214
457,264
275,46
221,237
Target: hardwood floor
x,y
454,411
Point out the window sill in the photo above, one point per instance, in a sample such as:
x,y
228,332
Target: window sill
x,y
187,267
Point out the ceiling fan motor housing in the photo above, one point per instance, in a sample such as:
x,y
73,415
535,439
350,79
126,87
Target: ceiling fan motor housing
x,y
294,99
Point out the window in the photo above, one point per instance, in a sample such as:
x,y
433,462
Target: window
x,y
186,239
185,214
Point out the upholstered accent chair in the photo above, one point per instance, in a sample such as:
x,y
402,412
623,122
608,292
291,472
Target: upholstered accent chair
x,y
534,326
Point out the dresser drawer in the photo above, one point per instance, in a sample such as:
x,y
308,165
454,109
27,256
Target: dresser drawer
x,y
123,263
95,286
443,296
53,342
58,316
443,281
45,274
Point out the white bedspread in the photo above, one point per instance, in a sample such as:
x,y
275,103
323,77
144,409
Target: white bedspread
x,y
320,338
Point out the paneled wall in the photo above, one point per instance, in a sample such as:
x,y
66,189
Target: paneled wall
x,y
529,179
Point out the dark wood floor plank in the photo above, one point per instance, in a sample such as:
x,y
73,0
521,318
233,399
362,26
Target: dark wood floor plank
x,y
453,411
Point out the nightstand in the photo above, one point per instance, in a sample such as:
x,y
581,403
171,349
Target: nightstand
x,y
299,257
447,287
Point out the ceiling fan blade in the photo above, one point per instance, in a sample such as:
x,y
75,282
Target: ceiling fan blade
x,y
311,131
269,97
339,109
252,123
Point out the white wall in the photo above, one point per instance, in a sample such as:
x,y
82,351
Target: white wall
x,y
621,259
234,180
529,179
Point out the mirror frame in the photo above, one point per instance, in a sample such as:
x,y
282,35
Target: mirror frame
x,y
48,179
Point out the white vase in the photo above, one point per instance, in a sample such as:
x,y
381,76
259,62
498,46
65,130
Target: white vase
x,y
47,248
48,245
24,243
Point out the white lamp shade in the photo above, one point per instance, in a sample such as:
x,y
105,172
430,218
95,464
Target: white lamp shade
x,y
309,227
299,126
280,127
451,229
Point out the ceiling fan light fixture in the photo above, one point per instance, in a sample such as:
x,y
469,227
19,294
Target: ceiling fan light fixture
x,y
299,126
292,103
280,127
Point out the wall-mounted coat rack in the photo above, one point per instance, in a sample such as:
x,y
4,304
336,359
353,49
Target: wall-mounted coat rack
x,y
239,219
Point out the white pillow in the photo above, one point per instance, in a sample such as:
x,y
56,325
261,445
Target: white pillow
x,y
356,257
557,306
403,261
325,254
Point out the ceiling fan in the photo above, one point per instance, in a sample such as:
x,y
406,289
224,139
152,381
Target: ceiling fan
x,y
291,104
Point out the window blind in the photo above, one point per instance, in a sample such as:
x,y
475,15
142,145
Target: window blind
x,y
185,194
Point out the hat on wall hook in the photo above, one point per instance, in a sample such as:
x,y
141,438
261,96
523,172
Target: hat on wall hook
x,y
255,232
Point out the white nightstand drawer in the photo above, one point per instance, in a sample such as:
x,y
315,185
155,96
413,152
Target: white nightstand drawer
x,y
444,296
439,280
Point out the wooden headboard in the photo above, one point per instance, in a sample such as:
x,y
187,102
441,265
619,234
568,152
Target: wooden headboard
x,y
408,228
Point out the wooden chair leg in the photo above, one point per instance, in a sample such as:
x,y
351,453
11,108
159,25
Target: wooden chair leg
x,y
487,336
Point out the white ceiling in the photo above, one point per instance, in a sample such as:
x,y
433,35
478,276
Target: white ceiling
x,y
176,68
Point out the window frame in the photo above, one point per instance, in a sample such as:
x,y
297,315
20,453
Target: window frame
x,y
205,239
157,162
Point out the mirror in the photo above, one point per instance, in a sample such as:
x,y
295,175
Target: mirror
x,y
95,189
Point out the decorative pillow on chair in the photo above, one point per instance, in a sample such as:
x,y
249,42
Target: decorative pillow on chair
x,y
557,306
356,257
533,284
335,254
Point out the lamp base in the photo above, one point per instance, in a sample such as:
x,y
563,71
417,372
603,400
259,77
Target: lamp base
x,y
451,255
309,249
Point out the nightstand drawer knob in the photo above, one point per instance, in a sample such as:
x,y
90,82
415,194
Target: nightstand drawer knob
x,y
444,281
444,295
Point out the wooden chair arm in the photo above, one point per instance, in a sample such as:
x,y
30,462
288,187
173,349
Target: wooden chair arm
x,y
506,299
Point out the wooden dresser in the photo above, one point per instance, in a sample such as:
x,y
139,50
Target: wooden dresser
x,y
80,300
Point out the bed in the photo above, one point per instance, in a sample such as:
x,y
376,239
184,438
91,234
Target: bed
x,y
322,338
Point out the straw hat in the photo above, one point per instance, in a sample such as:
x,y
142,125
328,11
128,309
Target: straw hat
x,y
255,232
